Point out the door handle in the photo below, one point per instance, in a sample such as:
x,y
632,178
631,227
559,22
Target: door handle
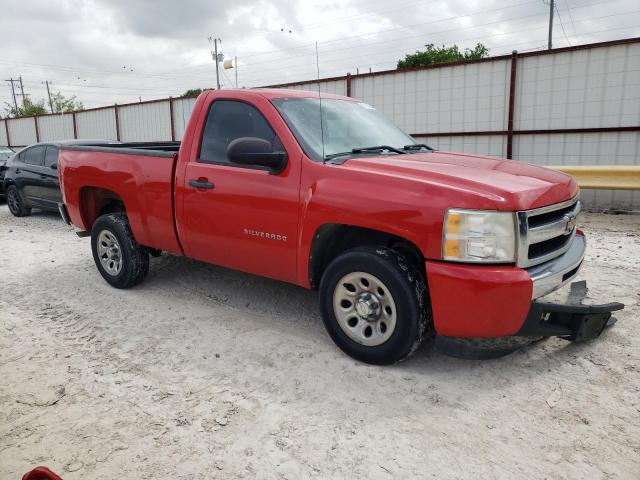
x,y
201,183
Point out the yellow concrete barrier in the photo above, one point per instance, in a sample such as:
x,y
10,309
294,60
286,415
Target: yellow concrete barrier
x,y
605,177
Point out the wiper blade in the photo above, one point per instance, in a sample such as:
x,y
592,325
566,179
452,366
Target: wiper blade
x,y
378,148
336,155
417,146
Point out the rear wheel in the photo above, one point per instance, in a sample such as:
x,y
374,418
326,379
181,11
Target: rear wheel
x,y
374,304
16,203
120,260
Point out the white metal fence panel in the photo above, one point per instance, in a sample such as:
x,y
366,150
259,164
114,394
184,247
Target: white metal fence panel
x,y
4,141
97,124
590,88
55,127
336,87
605,148
145,122
463,98
182,109
22,131
491,145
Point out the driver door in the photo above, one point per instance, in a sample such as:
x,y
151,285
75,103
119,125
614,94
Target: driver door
x,y
239,216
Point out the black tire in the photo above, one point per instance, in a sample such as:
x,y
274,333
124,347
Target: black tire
x,y
134,258
408,288
15,202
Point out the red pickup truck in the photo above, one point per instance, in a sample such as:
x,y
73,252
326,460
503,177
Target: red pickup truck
x,y
402,242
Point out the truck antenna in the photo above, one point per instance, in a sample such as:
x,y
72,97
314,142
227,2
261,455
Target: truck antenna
x,y
320,103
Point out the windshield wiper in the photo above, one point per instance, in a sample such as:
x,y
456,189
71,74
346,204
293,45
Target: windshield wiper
x,y
377,148
417,146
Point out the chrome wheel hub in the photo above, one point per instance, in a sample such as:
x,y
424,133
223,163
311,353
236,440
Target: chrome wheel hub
x,y
364,308
109,252
368,307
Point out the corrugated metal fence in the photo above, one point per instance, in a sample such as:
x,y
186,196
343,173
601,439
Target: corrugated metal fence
x,y
570,106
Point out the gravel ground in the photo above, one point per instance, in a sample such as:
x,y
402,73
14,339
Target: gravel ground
x,y
202,372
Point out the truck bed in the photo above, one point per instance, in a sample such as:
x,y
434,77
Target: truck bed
x,y
139,175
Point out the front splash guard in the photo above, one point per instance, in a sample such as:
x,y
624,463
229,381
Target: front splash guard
x,y
571,321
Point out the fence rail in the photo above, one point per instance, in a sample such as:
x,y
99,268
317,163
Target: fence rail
x,y
604,177
574,106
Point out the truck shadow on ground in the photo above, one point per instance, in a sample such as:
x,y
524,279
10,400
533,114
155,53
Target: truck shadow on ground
x,y
290,304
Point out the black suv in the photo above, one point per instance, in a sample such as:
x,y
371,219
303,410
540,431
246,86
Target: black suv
x,y
31,177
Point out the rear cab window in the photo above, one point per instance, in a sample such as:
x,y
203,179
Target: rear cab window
x,y
227,121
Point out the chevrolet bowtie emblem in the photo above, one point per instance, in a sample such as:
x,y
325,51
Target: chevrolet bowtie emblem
x,y
571,223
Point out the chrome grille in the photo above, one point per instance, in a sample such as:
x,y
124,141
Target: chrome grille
x,y
545,233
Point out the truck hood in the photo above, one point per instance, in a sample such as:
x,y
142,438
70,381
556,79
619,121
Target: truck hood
x,y
511,185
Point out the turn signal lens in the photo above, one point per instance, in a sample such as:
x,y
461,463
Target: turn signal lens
x,y
479,236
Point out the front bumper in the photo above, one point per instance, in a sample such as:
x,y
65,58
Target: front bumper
x,y
550,276
500,301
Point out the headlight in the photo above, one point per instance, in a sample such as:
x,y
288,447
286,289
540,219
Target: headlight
x,y
479,236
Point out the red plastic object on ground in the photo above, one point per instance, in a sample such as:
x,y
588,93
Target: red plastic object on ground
x,y
41,473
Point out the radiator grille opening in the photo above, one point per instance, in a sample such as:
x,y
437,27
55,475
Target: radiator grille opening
x,y
543,248
549,217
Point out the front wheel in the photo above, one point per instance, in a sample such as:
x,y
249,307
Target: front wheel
x,y
16,203
375,304
120,260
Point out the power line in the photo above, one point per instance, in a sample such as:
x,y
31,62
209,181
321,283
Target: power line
x,y
284,51
338,59
573,26
562,26
282,65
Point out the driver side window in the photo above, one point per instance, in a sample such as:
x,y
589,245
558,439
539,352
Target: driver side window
x,y
228,120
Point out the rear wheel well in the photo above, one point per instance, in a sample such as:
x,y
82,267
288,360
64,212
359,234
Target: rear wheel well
x,y
331,240
96,202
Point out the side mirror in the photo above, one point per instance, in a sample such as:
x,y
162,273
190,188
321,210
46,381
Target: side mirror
x,y
256,151
54,166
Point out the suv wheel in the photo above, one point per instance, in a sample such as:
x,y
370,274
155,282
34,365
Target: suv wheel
x,y
374,304
16,203
120,260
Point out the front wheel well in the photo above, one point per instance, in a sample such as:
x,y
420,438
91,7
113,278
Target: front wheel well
x,y
331,240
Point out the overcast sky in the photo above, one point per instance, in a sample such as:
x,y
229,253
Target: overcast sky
x,y
117,51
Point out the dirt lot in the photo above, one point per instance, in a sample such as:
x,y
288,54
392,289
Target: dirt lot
x,y
202,372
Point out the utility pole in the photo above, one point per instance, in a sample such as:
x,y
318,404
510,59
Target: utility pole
x,y
214,54
235,64
551,7
13,92
49,94
22,92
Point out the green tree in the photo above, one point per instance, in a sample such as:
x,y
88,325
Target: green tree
x,y
192,92
433,55
28,109
62,104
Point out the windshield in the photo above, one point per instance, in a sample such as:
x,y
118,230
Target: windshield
x,y
347,125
